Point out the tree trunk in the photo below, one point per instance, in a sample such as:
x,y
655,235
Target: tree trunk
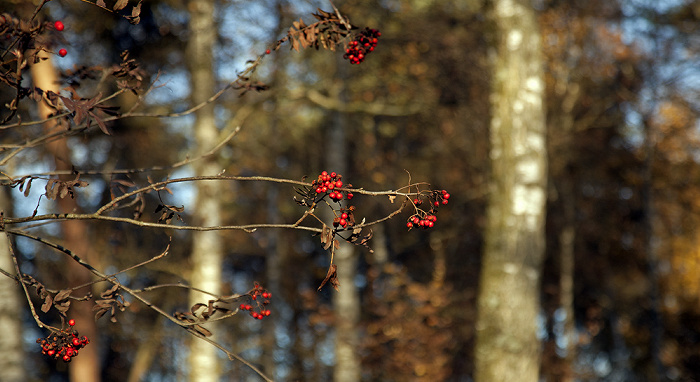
x,y
85,367
207,247
507,348
11,349
346,302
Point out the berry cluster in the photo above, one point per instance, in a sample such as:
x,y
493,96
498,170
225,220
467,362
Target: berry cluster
x,y
326,184
63,344
427,219
260,310
346,218
362,45
59,27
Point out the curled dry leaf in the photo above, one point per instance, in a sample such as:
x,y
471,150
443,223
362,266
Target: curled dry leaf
x,y
332,277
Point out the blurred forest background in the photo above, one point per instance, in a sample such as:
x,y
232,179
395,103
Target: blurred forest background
x,y
620,290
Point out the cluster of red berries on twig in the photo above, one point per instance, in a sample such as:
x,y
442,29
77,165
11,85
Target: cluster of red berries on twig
x,y
427,219
63,344
346,218
261,298
362,45
328,183
59,27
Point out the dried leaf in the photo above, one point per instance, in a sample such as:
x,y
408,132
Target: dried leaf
x,y
120,4
101,124
331,276
62,295
100,313
196,307
326,236
29,185
110,291
48,301
201,330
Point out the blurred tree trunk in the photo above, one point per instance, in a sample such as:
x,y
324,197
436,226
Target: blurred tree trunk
x,y
507,348
567,93
346,302
86,367
207,247
11,349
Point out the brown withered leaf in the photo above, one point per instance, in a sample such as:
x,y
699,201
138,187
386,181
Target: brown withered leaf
x,y
56,188
120,4
62,295
167,212
332,277
196,307
185,316
201,330
110,302
356,239
48,302
326,236
135,14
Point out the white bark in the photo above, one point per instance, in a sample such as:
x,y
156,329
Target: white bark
x,y
11,307
207,247
507,348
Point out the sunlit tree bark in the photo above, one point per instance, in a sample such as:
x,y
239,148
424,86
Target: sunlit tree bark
x,y
207,251
507,348
11,353
85,368
346,303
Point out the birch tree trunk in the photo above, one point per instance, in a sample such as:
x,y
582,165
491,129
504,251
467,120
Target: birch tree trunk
x,y
11,349
207,247
507,348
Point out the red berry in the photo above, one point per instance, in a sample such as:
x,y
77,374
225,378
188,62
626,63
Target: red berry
x,y
267,51
71,322
344,215
58,25
446,195
62,52
76,342
350,195
339,183
436,203
50,352
333,174
343,222
324,173
409,224
445,201
266,312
